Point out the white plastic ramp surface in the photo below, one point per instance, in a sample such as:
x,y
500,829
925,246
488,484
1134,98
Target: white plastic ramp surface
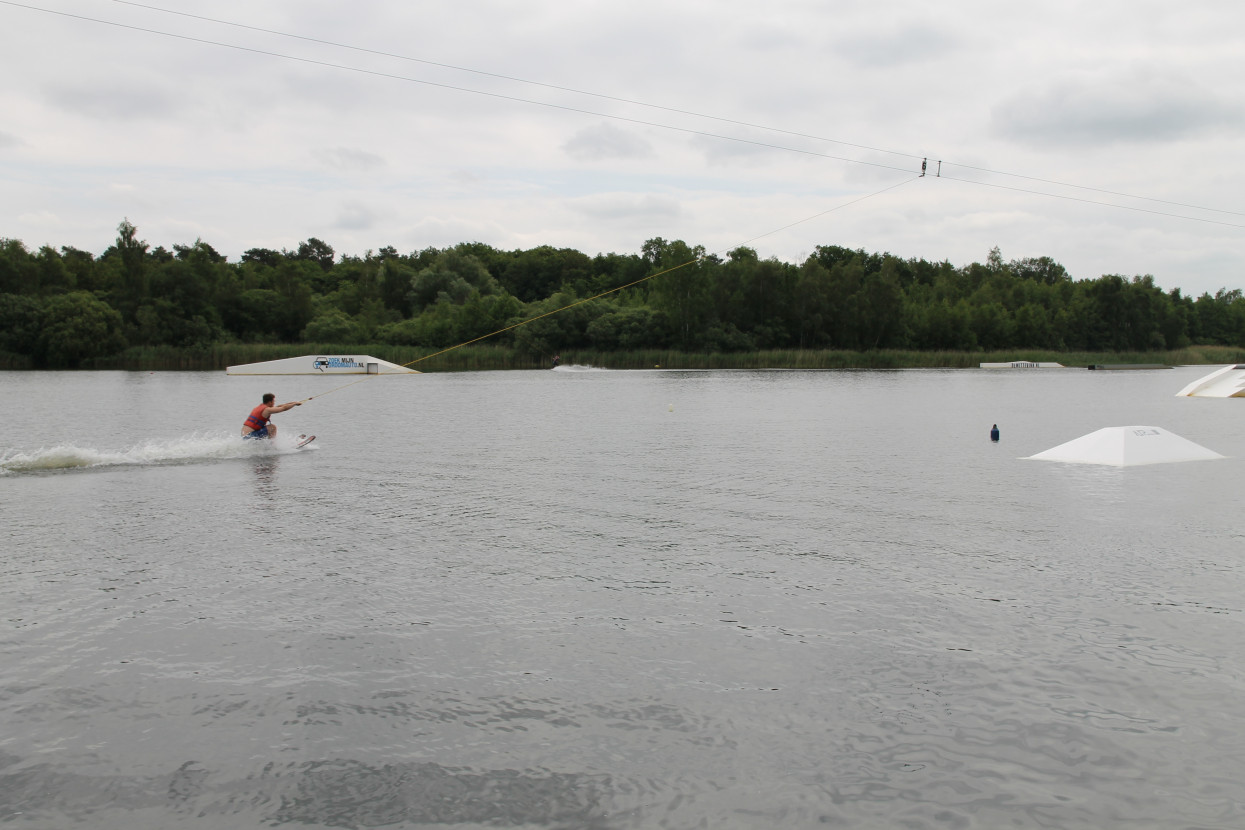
x,y
1128,447
1228,382
323,364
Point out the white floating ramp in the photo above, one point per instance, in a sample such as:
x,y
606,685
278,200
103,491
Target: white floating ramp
x,y
1128,447
1228,382
322,365
1022,364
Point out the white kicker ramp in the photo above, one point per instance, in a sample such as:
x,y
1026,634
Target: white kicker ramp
x,y
322,365
1128,447
1228,382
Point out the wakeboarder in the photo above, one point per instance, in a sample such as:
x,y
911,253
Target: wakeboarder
x,y
257,425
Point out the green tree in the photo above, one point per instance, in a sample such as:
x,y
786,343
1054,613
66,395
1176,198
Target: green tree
x,y
184,307
1033,328
535,274
161,322
130,255
992,326
263,256
614,271
333,326
1039,269
454,276
54,276
435,327
768,311
814,300
487,314
295,312
629,329
1220,319
84,272
846,278
317,251
76,327
682,293
394,278
20,319
19,272
253,315
557,324
880,308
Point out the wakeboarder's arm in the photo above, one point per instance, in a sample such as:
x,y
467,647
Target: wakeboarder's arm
x,y
273,410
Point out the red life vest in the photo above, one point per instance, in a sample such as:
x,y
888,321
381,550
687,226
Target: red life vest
x,y
256,419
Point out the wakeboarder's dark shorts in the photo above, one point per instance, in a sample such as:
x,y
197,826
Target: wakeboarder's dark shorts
x,y
262,432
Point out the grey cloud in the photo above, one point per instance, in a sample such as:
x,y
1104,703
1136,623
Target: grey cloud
x,y
347,158
356,216
623,206
914,43
1136,108
606,141
115,103
772,38
9,140
750,150
466,178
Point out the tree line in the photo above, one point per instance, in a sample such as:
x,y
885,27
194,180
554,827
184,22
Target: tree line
x,y
61,307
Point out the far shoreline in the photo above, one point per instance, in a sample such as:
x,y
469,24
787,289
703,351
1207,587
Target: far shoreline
x,y
494,358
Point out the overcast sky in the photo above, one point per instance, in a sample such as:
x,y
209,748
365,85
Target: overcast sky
x,y
780,125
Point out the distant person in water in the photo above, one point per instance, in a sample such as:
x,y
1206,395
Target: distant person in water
x,y
556,360
994,433
256,424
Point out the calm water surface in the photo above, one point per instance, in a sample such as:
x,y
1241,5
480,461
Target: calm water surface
x,y
588,599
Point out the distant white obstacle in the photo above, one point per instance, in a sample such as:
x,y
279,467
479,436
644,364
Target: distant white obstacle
x,y
1128,447
322,365
1228,382
1022,364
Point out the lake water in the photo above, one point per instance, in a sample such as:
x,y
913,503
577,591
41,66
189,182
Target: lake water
x,y
591,599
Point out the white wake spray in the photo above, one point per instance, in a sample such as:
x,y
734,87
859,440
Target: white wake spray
x,y
182,450
579,367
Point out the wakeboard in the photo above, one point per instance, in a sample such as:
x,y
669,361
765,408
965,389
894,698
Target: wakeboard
x,y
304,440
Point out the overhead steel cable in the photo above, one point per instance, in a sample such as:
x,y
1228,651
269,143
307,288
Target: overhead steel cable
x,y
642,122
437,84
1083,187
676,110
515,79
1094,202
